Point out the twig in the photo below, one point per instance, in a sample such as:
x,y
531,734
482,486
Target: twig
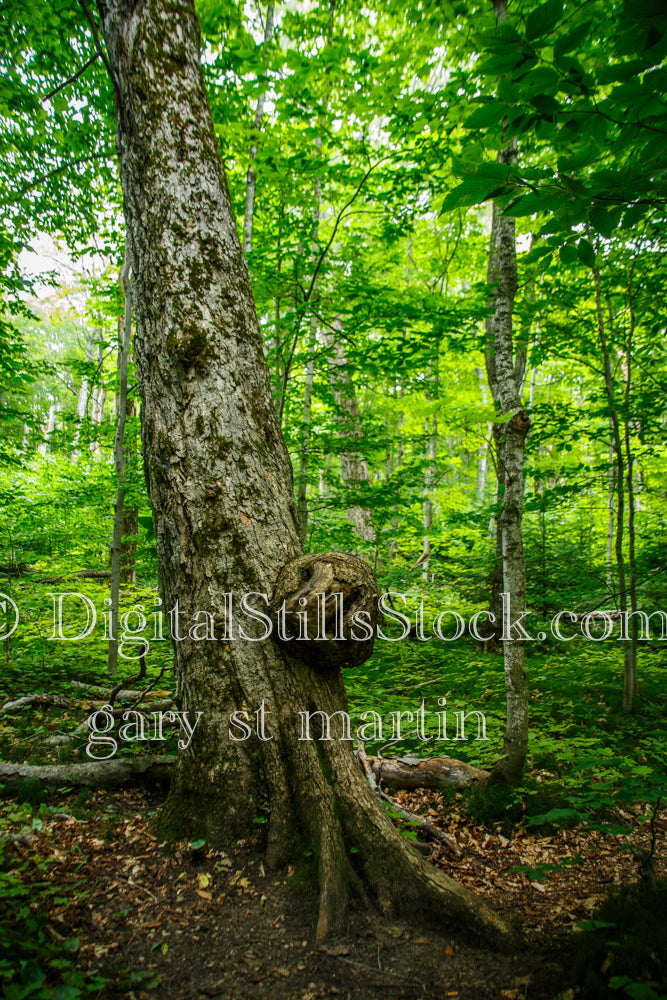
x,y
71,79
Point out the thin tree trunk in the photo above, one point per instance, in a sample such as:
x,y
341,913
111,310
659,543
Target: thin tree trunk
x,y
119,463
483,451
611,504
48,429
399,462
506,378
304,454
353,467
98,398
631,666
628,669
84,391
220,484
251,179
130,528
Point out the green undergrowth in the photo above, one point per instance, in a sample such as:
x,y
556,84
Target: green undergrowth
x,y
36,960
622,951
587,758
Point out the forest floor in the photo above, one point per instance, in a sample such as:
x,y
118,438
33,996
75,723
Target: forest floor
x,y
144,919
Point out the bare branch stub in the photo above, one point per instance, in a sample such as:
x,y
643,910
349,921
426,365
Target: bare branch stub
x,y
325,607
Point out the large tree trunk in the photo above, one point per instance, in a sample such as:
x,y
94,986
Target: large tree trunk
x,y
220,483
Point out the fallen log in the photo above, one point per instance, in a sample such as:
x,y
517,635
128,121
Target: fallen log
x,y
96,774
36,699
404,772
433,772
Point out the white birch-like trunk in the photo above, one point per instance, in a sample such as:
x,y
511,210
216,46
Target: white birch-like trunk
x,y
251,178
506,377
49,428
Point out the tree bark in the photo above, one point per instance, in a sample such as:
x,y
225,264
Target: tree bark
x,y
48,430
220,483
505,379
251,179
119,462
629,644
353,467
433,772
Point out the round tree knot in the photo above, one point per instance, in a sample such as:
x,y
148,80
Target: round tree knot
x,y
521,422
326,609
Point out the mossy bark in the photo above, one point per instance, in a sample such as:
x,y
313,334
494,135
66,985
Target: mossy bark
x,y
220,483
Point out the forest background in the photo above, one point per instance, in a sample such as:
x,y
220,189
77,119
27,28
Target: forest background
x,y
370,151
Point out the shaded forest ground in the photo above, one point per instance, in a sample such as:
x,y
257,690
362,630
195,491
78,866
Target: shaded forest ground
x,y
95,904
140,918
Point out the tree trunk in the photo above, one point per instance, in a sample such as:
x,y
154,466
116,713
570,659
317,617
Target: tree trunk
x,y
220,483
49,429
427,505
353,467
251,180
98,398
304,451
119,463
90,774
84,391
631,667
505,379
629,653
611,488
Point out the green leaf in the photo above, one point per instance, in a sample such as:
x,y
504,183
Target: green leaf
x,y
603,222
586,253
568,254
470,192
487,115
529,204
633,214
544,19
641,991
146,521
60,103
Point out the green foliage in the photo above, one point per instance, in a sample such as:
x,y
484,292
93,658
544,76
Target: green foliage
x,y
33,962
627,938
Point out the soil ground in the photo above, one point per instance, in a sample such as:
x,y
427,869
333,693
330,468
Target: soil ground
x,y
168,921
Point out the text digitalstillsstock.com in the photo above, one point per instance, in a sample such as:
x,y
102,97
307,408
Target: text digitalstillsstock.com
x,y
139,627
